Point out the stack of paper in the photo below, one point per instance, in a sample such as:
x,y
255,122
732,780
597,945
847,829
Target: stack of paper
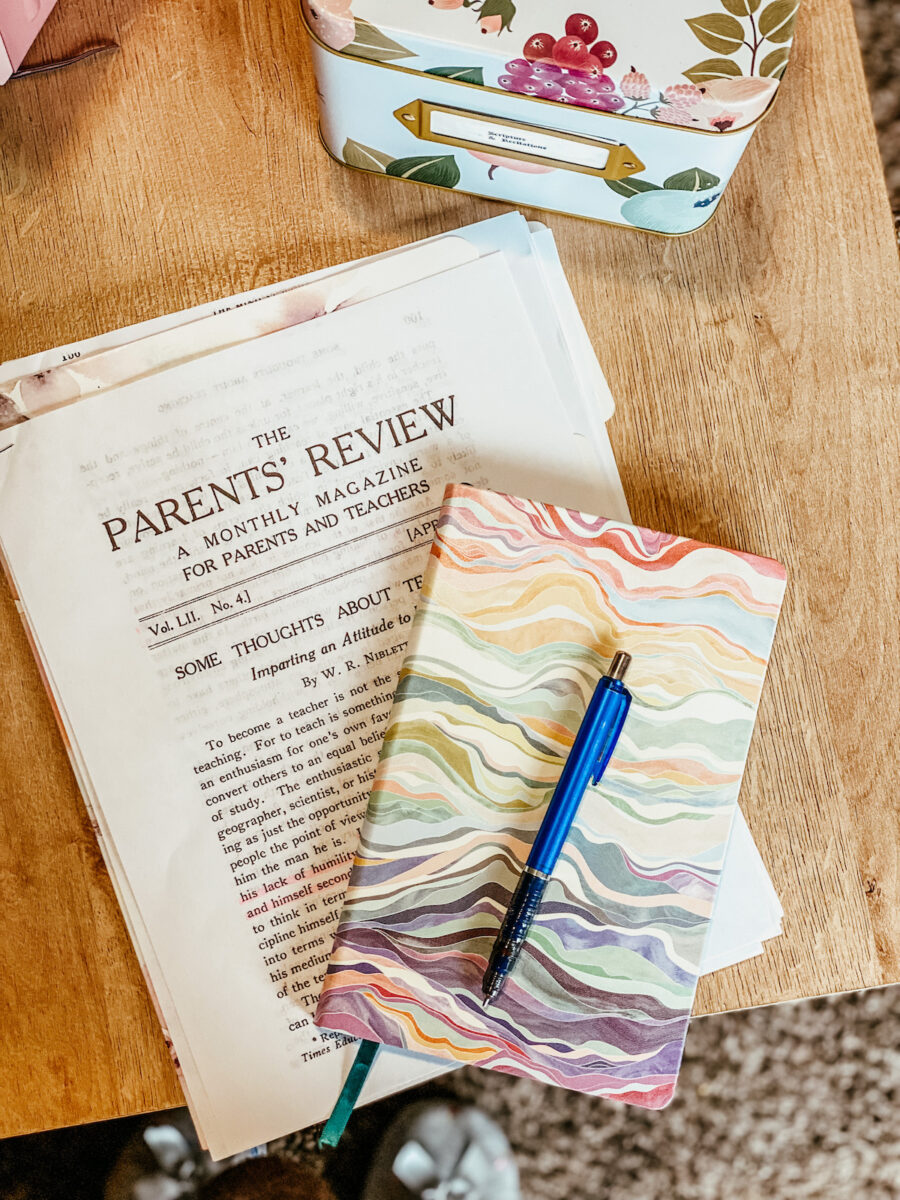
x,y
216,525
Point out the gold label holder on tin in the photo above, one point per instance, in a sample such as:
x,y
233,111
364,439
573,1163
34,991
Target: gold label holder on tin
x,y
550,148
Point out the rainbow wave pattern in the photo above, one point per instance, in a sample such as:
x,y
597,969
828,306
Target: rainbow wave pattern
x,y
522,607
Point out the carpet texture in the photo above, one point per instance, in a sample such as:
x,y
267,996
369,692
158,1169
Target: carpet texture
x,y
878,24
792,1102
775,1104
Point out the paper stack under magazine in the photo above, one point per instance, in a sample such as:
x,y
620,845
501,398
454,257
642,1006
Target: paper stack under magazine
x,y
217,525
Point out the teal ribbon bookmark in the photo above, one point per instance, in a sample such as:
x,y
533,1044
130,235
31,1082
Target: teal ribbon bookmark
x,y
353,1085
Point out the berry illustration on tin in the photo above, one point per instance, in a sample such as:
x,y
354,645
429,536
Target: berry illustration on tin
x,y
582,26
718,96
570,68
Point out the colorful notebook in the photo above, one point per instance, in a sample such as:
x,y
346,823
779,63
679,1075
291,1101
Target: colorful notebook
x,y
522,606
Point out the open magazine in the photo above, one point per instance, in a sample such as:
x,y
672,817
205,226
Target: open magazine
x,y
216,525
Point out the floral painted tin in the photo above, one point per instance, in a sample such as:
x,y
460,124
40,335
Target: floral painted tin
x,y
634,113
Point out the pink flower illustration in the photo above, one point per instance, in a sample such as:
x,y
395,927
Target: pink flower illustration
x,y
683,95
675,114
724,121
635,85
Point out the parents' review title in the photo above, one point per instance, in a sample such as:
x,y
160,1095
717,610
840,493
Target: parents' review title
x,y
211,498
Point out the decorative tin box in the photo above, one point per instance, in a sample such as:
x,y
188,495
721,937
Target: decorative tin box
x,y
635,113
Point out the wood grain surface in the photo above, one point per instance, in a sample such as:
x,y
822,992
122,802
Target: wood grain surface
x,y
755,370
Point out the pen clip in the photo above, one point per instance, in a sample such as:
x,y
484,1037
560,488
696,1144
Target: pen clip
x,y
609,744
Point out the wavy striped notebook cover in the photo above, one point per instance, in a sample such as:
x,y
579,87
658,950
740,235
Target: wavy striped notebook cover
x,y
522,607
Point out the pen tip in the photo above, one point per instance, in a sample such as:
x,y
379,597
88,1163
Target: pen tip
x,y
491,992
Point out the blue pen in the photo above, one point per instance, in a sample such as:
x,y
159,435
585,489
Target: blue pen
x,y
591,751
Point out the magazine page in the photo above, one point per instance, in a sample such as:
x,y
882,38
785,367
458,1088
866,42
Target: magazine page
x,y
220,562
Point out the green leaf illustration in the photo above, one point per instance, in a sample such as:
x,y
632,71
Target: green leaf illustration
x,y
504,9
776,21
364,157
370,42
773,64
692,180
718,31
461,74
437,169
712,68
740,8
631,187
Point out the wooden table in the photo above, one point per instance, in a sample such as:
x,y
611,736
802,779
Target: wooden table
x,y
756,375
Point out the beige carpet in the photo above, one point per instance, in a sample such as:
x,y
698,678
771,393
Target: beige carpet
x,y
796,1102
878,23
792,1102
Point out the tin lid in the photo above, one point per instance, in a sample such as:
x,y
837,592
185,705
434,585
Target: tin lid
x,y
710,65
